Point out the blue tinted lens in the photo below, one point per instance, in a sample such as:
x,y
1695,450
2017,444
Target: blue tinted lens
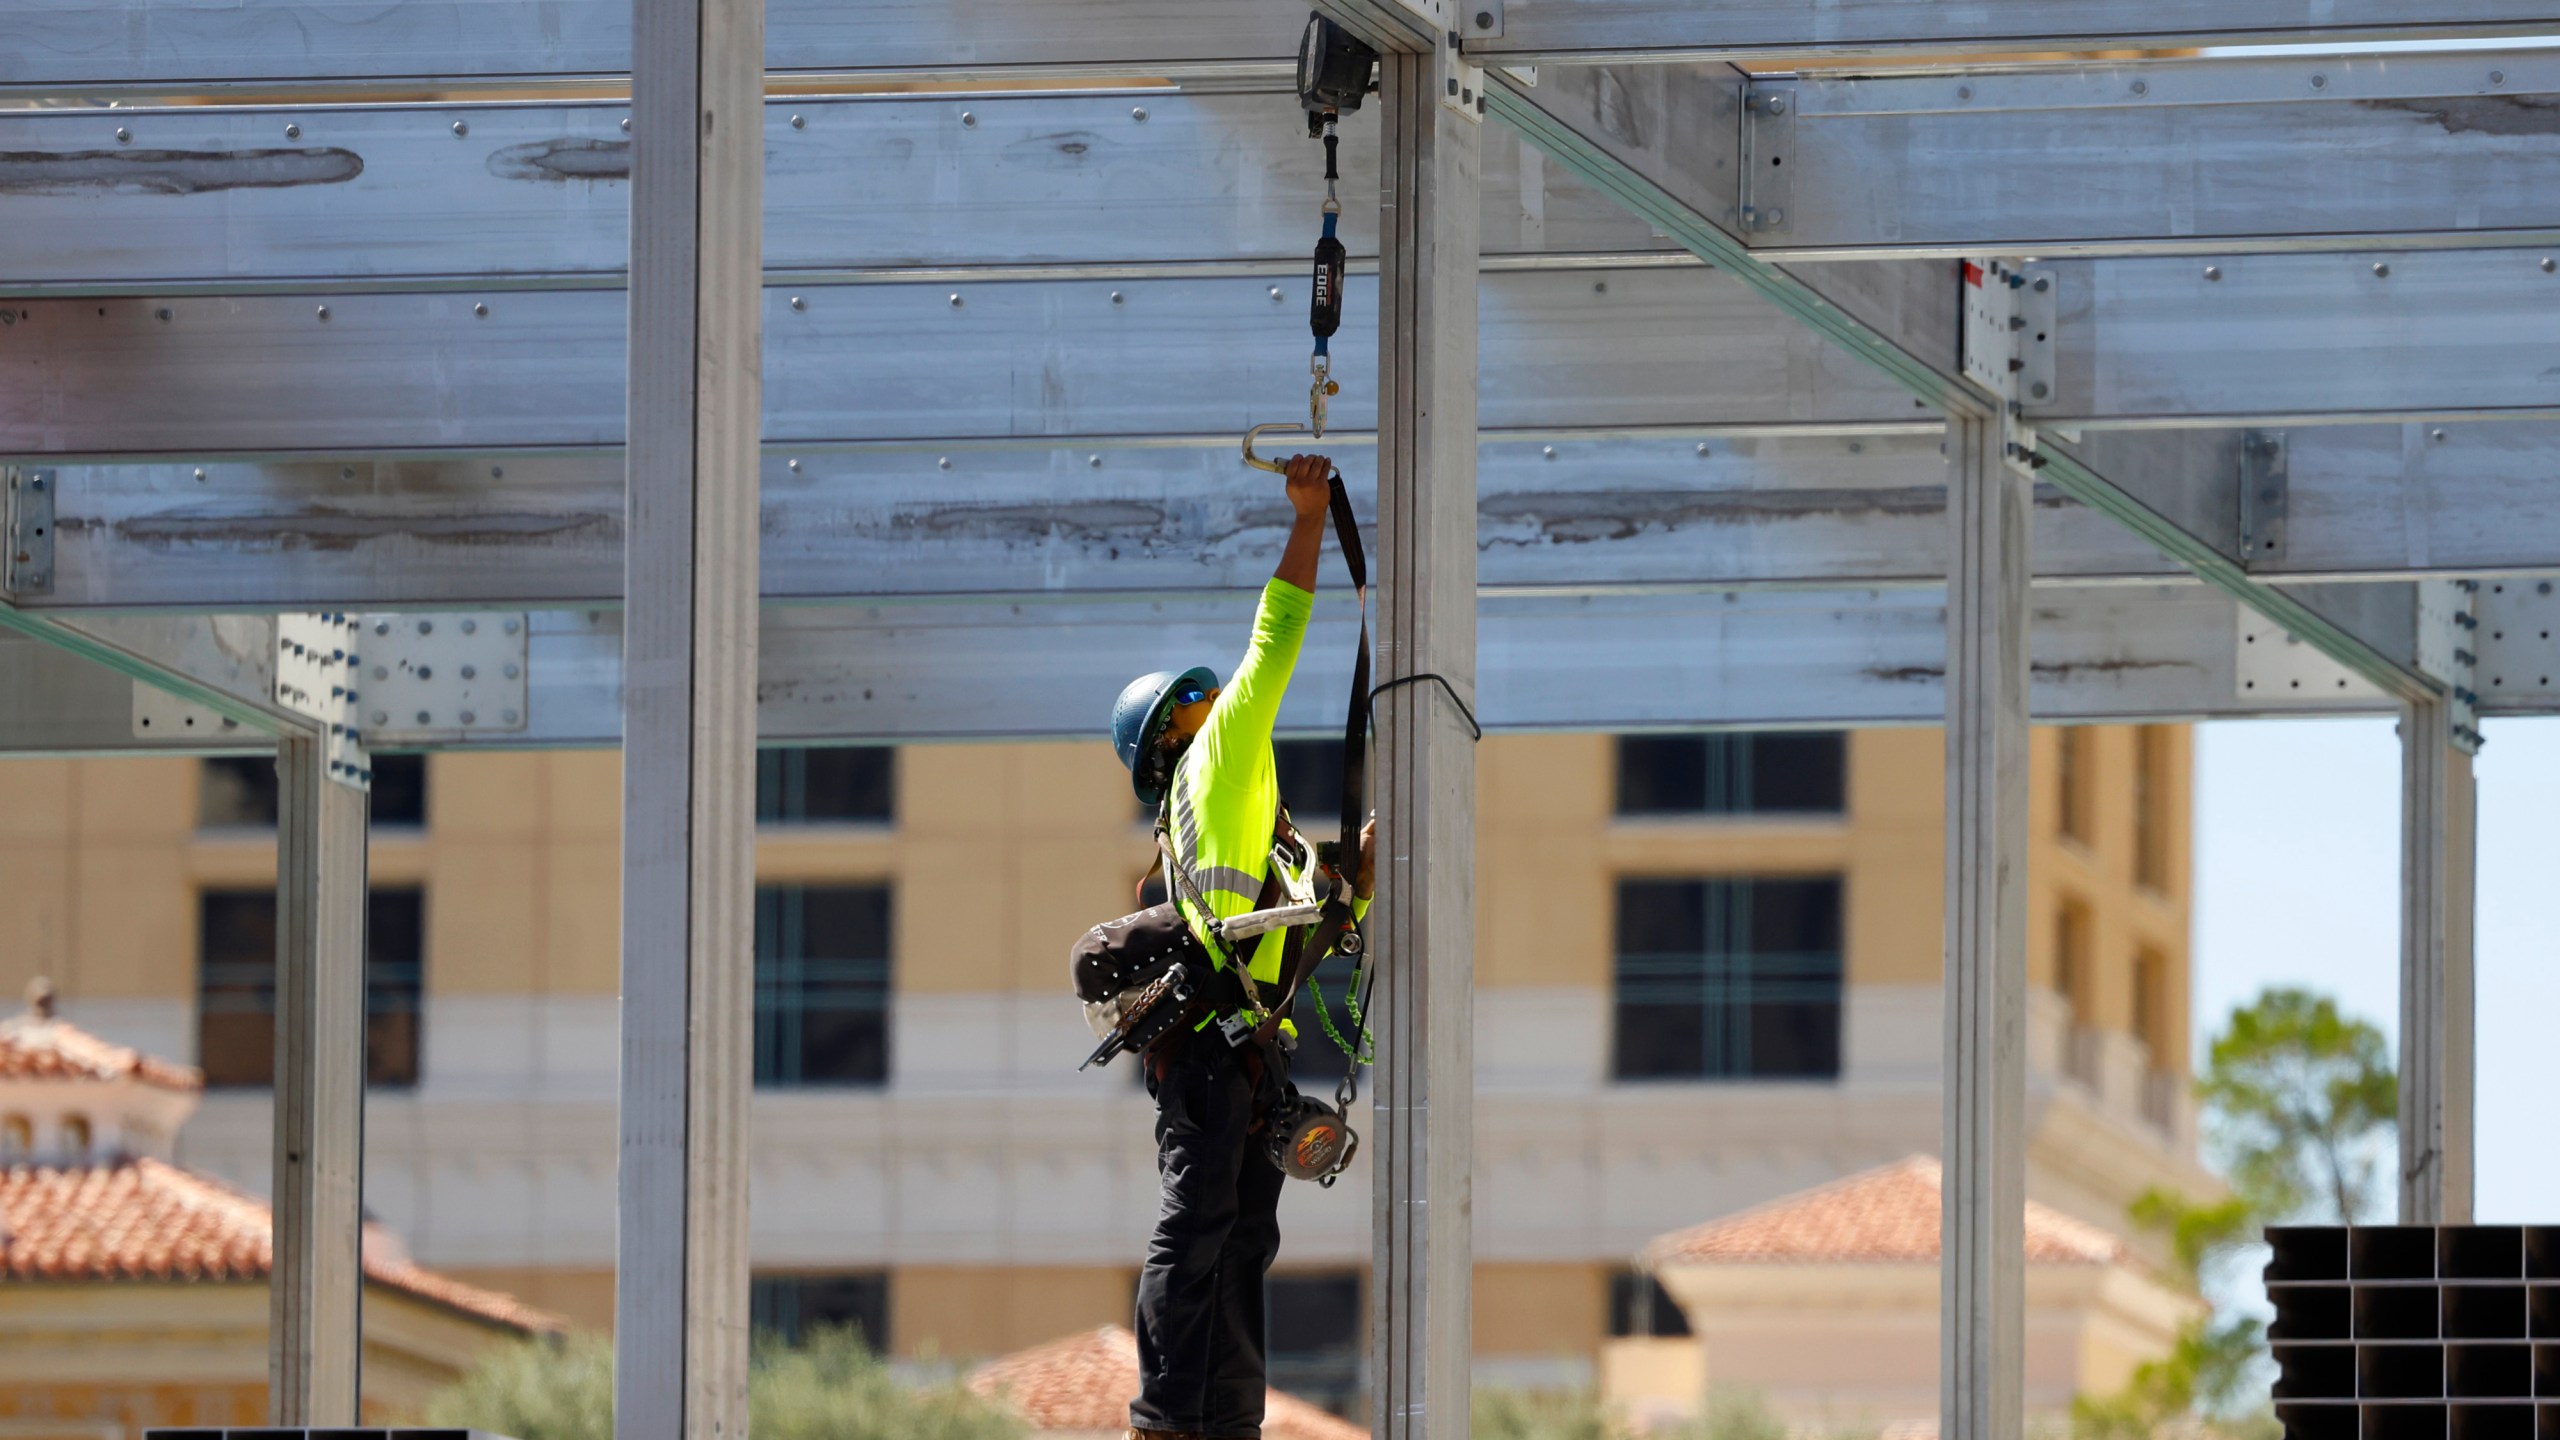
x,y
1188,693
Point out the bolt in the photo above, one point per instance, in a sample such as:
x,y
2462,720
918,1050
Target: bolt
x,y
2141,87
468,717
968,120
2497,77
1547,450
459,128
470,627
324,312
2436,435
1703,451
1275,294
497,472
2043,283
2381,271
381,672
422,717
1777,217
511,627
1139,114
1777,104
512,670
346,472
510,717
426,672
199,472
480,308
798,303
944,462
123,136
1964,92
2213,272
955,300
1857,447
2319,82
2039,390
1093,460
794,465
799,122
426,627
381,627
1484,19
293,132
1599,287
1116,296
2549,265
2544,588
626,124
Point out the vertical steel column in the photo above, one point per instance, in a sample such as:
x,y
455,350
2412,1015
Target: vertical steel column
x,y
2438,838
688,719
315,1289
1982,1298
1426,762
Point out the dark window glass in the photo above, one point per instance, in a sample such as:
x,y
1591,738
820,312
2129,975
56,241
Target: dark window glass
x,y
789,1307
843,784
1783,772
241,791
236,986
822,985
1316,1341
1311,784
2150,806
1728,979
2072,774
1639,1306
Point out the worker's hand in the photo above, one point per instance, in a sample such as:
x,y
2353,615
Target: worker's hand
x,y
1310,485
1368,882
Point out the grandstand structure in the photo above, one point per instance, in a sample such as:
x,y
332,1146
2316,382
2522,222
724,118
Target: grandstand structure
x,y
679,374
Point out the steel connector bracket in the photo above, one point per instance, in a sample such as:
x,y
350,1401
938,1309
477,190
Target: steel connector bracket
x,y
2008,348
29,524
2264,493
2449,650
316,668
1768,148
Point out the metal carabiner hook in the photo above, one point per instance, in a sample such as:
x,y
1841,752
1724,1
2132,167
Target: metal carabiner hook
x,y
1256,461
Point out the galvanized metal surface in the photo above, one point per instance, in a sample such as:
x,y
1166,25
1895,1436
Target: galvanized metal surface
x,y
315,1293
2439,844
1983,1284
1023,361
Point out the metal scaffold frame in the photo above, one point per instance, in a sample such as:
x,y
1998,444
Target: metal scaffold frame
x,y
1918,389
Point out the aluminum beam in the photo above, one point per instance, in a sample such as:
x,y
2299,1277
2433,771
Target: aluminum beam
x,y
2314,339
315,1296
1420,1331
1555,31
200,199
2302,153
1171,359
2439,843
53,702
181,46
687,724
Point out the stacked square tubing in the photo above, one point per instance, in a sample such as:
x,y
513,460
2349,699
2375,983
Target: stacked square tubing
x,y
2416,1332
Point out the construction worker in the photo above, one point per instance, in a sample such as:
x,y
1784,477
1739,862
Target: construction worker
x,y
1205,752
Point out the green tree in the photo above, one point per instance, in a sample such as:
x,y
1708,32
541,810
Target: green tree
x,y
831,1388
2300,1103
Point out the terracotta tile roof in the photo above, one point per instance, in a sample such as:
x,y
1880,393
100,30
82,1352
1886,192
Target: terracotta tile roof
x,y
150,1220
1886,1215
1086,1381
36,1048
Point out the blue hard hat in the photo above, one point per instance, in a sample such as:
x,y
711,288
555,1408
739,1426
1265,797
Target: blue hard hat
x,y
1139,716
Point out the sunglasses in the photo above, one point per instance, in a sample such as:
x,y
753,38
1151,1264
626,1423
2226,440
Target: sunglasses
x,y
1190,692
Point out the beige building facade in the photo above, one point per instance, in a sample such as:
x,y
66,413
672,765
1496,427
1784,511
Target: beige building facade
x,y
927,1161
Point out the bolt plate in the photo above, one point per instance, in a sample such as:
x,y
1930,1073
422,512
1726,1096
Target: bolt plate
x,y
2449,650
2518,639
2008,331
1768,148
159,715
2273,662
430,677
2265,492
28,522
315,676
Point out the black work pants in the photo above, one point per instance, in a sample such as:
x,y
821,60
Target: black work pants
x,y
1200,1319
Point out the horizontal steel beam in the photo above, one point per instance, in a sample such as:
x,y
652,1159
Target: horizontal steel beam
x,y
196,200
1087,360
2311,339
96,47
905,672
1555,31
1568,513
53,702
2324,152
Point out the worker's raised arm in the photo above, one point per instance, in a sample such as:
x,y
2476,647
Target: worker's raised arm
x,y
1310,491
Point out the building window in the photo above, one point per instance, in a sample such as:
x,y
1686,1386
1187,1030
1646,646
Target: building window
x,y
240,792
1311,784
236,986
1640,1307
2150,806
2071,934
822,985
2073,770
791,1307
1728,979
1316,1342
838,785
1773,773
2149,969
